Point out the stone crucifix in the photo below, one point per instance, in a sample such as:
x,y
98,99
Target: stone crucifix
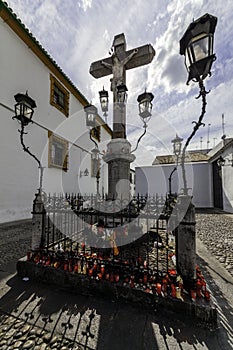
x,y
117,68
120,61
119,154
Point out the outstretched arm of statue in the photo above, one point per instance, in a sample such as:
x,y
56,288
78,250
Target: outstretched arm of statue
x,y
107,65
128,58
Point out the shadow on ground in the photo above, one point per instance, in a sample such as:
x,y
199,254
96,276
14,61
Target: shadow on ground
x,y
94,323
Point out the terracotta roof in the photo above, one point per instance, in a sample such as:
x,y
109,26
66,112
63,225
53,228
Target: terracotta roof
x,y
192,156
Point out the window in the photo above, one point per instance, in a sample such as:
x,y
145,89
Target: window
x,y
58,152
59,96
95,132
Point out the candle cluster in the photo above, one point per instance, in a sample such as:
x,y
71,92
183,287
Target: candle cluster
x,y
133,273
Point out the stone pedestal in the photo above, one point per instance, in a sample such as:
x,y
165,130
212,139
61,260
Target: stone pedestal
x,y
38,215
118,157
186,241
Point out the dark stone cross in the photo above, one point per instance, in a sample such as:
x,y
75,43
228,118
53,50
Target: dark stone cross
x,y
120,61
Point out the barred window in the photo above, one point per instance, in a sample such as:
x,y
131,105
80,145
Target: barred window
x,y
59,96
58,152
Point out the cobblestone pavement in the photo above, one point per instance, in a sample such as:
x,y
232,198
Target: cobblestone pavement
x,y
15,240
216,232
35,316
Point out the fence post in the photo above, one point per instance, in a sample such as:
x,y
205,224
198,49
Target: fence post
x,y
38,219
186,241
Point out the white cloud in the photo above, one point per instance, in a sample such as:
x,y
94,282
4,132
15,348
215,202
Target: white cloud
x,y
85,4
78,32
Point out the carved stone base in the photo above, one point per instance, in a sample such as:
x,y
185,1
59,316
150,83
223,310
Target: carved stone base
x,y
118,157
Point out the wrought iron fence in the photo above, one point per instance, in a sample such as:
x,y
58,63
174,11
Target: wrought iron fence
x,y
134,231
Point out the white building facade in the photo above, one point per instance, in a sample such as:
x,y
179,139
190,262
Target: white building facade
x,y
221,158
210,182
58,137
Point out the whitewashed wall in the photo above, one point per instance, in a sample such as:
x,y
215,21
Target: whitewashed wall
x,y
227,180
21,71
154,180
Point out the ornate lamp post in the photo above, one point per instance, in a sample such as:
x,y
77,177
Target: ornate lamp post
x,y
177,143
197,46
96,167
103,95
145,106
24,109
91,114
145,112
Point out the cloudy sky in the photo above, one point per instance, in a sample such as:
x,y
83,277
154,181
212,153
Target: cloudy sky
x,y
78,32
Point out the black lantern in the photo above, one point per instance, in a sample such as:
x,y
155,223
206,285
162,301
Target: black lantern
x,y
103,94
24,108
91,113
145,105
177,142
122,93
197,46
220,162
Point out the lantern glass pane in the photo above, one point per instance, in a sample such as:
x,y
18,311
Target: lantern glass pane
x,y
18,109
104,103
90,119
27,111
201,49
188,56
177,147
145,106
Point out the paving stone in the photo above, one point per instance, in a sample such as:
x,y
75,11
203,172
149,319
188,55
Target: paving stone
x,y
18,344
28,345
40,333
9,334
2,342
18,324
54,345
37,347
54,340
18,335
31,336
47,338
25,329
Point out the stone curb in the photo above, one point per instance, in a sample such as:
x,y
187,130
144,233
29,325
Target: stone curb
x,y
82,284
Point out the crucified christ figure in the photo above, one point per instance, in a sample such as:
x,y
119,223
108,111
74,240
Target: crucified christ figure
x,y
117,67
